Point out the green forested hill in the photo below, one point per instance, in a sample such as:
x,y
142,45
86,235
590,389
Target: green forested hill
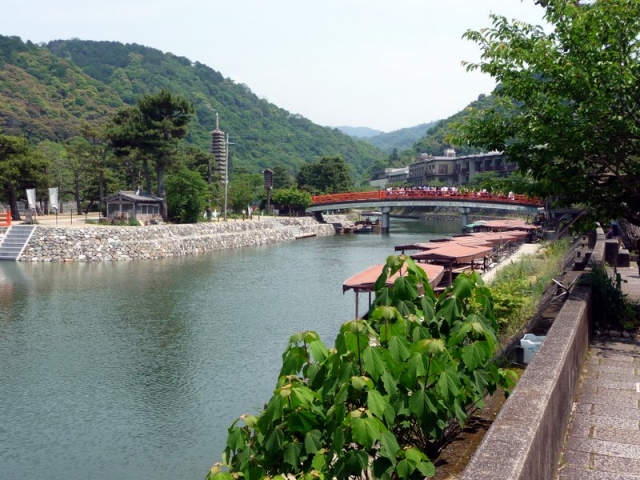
x,y
434,141
46,92
45,97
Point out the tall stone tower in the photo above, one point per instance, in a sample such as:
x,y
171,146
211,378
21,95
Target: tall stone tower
x,y
219,150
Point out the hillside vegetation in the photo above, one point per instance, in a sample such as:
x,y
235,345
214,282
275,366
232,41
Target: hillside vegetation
x,y
46,92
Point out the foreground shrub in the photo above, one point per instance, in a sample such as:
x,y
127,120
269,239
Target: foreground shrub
x,y
380,401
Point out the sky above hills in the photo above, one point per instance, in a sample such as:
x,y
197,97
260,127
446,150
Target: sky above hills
x,y
383,64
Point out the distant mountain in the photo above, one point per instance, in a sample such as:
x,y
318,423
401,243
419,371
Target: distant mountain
x,y
402,139
47,92
434,141
360,132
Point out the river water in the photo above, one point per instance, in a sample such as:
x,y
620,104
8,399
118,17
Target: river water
x,y
136,370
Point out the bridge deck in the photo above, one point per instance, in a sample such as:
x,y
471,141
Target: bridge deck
x,y
418,198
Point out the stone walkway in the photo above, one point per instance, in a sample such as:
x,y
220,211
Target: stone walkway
x,y
603,438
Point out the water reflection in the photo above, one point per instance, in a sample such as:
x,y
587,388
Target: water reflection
x,y
135,370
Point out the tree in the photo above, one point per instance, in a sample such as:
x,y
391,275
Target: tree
x,y
21,167
186,195
294,199
153,127
567,103
282,178
330,175
244,188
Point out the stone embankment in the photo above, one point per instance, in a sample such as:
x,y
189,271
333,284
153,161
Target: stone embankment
x,y
95,243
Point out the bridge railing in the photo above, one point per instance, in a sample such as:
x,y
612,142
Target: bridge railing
x,y
424,195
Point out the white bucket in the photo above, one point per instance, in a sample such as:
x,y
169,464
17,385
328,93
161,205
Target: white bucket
x,y
530,344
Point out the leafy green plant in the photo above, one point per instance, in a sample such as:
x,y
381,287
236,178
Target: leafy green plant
x,y
519,287
380,401
611,308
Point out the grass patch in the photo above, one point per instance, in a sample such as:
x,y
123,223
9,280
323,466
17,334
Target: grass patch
x,y
517,288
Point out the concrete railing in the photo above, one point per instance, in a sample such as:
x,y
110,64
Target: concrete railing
x,y
525,439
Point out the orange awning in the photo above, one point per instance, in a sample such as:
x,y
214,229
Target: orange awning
x,y
364,281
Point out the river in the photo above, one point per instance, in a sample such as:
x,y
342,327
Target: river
x,y
135,370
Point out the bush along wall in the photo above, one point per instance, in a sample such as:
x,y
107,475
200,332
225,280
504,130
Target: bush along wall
x,y
381,400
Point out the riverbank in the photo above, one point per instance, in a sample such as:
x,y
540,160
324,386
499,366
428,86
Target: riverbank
x,y
98,243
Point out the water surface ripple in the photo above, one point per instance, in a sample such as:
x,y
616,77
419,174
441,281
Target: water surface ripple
x,y
136,370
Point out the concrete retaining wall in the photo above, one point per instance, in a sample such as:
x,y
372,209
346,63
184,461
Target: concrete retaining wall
x,y
110,243
526,437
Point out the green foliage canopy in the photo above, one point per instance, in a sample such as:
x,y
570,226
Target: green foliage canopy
x,y
566,107
21,167
153,128
186,195
329,175
382,398
297,200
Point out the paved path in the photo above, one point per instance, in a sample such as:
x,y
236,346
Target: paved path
x,y
603,438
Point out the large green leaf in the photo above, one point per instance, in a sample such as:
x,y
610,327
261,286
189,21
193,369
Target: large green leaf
x,y
274,441
427,469
318,350
399,348
415,368
427,305
337,441
479,380
383,468
450,310
374,361
462,287
293,360
404,468
458,333
235,439
313,441
376,403
272,413
319,460
404,289
365,431
302,396
448,385
432,346
301,421
420,404
414,456
291,453
476,354
389,447
357,461
389,382
461,415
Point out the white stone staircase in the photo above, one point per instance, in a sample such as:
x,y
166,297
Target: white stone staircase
x,y
15,240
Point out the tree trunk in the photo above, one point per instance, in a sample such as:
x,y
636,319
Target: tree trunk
x,y
10,193
161,193
76,194
147,175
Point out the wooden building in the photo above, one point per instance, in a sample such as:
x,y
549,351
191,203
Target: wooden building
x,y
127,204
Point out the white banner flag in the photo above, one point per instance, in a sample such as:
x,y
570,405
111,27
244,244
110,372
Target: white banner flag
x,y
31,198
53,199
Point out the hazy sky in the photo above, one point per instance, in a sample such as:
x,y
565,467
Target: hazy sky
x,y
384,64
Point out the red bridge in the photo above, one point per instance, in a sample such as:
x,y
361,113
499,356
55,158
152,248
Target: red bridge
x,y
384,201
429,195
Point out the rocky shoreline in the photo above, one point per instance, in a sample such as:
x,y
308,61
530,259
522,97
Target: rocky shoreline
x,y
95,243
